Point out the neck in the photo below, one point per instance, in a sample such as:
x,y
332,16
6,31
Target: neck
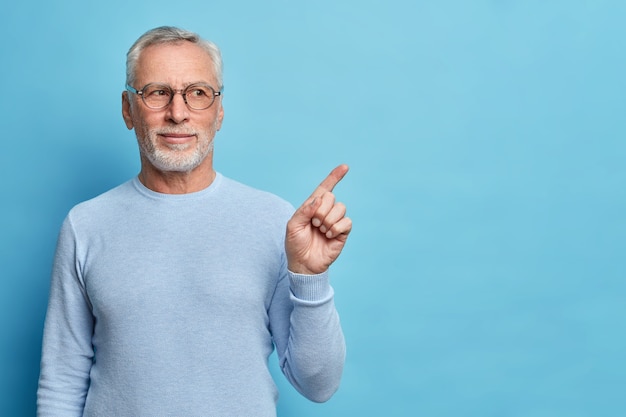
x,y
176,182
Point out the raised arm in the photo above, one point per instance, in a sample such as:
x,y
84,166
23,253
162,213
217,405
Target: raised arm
x,y
305,323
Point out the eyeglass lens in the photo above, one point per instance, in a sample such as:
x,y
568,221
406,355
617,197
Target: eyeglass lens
x,y
198,97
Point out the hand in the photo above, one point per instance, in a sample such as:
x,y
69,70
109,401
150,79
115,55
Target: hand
x,y
318,230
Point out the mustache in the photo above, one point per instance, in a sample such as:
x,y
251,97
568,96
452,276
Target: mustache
x,y
179,130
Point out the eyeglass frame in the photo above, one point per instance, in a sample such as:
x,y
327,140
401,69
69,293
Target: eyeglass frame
x,y
182,92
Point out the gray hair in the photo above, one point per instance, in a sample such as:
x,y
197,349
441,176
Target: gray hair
x,y
170,34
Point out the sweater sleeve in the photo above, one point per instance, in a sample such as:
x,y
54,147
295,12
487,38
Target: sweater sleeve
x,y
307,334
67,352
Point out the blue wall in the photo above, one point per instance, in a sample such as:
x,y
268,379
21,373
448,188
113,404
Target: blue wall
x,y
486,272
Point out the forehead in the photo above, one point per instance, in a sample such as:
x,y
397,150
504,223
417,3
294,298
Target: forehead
x,y
176,64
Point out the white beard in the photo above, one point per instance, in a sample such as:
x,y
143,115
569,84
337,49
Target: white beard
x,y
176,157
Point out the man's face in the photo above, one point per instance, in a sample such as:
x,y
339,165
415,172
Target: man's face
x,y
175,138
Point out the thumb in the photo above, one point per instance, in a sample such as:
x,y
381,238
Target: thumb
x,y
304,214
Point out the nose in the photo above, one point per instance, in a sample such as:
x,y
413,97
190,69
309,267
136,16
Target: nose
x,y
177,111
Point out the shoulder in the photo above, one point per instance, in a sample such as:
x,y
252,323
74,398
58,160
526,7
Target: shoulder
x,y
256,199
113,199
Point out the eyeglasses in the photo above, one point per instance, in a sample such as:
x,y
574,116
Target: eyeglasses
x,y
158,96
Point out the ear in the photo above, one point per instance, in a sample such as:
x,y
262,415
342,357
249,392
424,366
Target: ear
x,y
220,117
126,110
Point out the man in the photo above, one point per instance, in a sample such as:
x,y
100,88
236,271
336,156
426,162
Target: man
x,y
169,292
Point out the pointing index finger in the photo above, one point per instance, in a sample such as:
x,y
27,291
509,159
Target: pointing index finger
x,y
331,180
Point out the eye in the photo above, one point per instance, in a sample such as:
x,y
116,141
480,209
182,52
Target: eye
x,y
197,92
157,91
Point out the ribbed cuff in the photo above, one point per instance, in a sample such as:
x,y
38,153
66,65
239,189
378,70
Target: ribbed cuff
x,y
310,287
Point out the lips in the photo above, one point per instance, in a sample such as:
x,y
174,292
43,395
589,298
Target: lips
x,y
177,137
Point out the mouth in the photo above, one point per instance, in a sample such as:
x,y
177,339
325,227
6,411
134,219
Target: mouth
x,y
177,138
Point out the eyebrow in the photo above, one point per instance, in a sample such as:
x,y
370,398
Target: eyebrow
x,y
184,85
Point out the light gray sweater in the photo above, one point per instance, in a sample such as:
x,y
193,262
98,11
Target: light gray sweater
x,y
170,305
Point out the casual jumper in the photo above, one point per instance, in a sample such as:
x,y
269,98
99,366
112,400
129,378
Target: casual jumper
x,y
170,305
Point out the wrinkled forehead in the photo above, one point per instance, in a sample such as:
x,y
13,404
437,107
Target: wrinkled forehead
x,y
177,64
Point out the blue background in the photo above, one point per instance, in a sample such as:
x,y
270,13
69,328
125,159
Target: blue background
x,y
486,272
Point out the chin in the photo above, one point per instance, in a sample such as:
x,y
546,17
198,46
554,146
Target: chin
x,y
173,162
